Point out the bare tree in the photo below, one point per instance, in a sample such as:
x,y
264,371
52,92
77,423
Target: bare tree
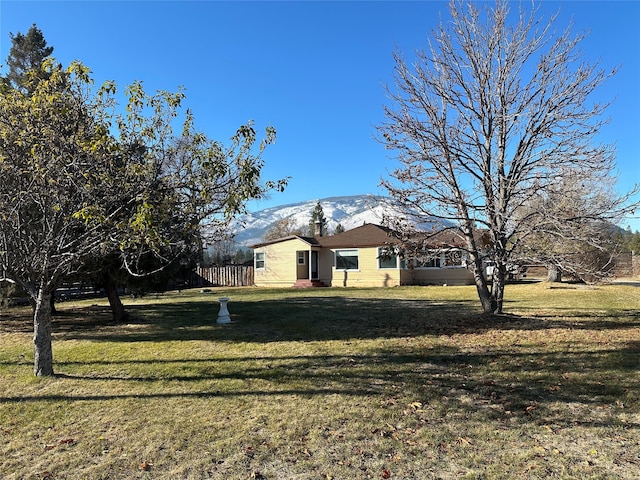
x,y
568,228
282,228
487,119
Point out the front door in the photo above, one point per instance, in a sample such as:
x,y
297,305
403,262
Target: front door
x,y
314,265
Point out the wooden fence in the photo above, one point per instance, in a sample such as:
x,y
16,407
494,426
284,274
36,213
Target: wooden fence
x,y
627,264
227,276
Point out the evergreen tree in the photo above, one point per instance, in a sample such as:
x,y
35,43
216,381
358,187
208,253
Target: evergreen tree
x,y
630,241
339,229
317,217
25,59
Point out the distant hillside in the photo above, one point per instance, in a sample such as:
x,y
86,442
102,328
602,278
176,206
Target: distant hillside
x,y
349,211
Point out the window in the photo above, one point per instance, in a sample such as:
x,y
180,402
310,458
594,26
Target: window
x,y
259,260
452,258
455,258
346,259
387,259
427,260
301,258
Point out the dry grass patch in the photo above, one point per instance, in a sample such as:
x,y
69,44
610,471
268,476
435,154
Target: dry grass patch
x,y
407,383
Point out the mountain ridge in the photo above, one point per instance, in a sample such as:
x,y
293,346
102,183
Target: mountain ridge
x,y
350,211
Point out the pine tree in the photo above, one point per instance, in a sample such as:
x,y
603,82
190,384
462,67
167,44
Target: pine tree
x,y
317,218
26,56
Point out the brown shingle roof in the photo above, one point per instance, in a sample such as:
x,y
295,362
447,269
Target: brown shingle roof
x,y
372,235
368,235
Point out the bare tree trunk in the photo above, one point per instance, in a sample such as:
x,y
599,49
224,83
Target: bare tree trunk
x,y
120,315
481,285
53,304
497,289
554,273
43,352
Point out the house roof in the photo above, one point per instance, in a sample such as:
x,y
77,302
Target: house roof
x,y
446,238
309,240
372,235
367,235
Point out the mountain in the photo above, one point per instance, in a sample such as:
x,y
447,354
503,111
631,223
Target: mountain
x,y
349,211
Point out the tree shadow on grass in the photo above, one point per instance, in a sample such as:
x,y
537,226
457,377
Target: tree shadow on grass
x,y
314,319
20,320
562,388
566,385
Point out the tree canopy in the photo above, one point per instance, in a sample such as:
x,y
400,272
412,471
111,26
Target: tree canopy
x,y
81,180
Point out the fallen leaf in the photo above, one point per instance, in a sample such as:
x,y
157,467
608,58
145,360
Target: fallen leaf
x,y
463,441
67,441
386,473
145,466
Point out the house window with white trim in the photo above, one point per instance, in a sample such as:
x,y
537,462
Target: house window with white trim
x,y
259,260
301,258
455,258
347,259
426,260
389,259
451,258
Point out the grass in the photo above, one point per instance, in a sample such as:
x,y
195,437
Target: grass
x,y
402,383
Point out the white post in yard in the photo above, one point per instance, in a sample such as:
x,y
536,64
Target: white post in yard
x,y
223,314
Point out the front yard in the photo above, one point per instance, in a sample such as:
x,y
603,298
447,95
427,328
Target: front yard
x,y
402,383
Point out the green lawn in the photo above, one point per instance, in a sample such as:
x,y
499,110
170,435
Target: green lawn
x,y
400,383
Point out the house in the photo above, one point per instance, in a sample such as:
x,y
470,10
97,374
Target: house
x,y
366,256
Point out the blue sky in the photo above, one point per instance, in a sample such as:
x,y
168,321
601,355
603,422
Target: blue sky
x,y
313,70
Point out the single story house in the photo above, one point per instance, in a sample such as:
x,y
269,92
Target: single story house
x,y
361,257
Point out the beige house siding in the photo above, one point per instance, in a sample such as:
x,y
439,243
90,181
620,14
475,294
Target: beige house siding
x,y
325,261
281,267
437,276
280,263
